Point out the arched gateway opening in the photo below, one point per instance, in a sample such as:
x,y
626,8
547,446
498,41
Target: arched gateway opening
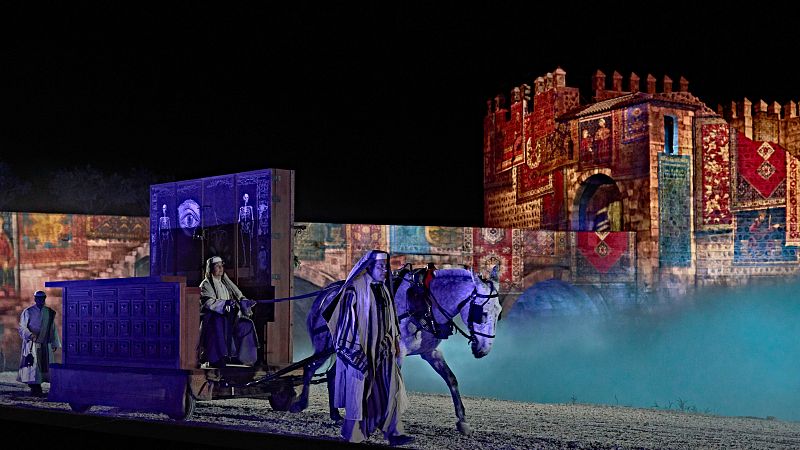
x,y
599,205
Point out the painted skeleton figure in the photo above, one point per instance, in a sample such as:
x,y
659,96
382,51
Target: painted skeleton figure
x,y
165,236
246,229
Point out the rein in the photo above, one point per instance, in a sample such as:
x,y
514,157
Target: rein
x,y
296,297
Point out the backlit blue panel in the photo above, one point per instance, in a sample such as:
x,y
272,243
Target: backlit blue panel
x,y
226,216
128,322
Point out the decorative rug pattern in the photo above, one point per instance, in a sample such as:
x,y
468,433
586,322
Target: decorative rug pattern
x,y
9,255
792,200
760,173
118,227
363,238
490,246
408,240
713,176
52,238
601,250
761,238
635,124
674,197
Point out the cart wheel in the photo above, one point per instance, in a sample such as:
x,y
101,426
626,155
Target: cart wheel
x,y
79,407
282,399
188,406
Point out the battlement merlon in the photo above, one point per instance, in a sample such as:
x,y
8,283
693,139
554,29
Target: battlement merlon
x,y
790,110
567,99
746,109
601,93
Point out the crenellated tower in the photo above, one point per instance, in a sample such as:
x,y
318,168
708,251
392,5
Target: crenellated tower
x,y
764,121
514,141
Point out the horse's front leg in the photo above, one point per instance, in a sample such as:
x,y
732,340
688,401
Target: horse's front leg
x,y
301,402
436,359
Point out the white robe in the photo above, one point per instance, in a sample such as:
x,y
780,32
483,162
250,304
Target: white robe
x,y
30,322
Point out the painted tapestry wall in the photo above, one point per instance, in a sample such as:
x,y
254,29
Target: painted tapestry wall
x,y
524,176
792,200
759,174
595,142
712,175
674,200
631,147
603,257
9,255
761,238
325,256
36,248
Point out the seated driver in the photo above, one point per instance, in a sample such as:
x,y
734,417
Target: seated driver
x,y
227,335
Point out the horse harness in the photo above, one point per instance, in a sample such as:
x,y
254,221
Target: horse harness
x,y
420,302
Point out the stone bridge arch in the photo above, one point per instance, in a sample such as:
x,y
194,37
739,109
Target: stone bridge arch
x,y
534,277
555,297
314,275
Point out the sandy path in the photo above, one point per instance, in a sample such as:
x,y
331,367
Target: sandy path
x,y
498,424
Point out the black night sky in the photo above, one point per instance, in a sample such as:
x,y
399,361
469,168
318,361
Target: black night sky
x,y
378,108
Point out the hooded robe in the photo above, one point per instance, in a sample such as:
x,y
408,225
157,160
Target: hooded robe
x,y
225,334
364,334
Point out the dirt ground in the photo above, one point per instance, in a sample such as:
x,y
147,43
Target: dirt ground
x,y
497,424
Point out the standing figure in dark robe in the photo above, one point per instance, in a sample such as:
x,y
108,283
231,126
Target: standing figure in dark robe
x,y
587,154
602,143
37,328
227,335
365,330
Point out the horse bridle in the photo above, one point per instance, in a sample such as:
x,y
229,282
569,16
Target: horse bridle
x,y
475,310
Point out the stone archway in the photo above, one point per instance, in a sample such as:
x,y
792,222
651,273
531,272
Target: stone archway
x,y
532,278
598,205
557,298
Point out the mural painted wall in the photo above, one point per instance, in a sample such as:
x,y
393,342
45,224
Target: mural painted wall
x,y
36,247
697,187
9,255
326,253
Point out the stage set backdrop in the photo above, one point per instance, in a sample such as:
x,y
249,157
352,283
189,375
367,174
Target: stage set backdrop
x,y
710,196
36,247
542,273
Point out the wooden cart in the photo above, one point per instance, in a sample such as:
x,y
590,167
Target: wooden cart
x,y
132,343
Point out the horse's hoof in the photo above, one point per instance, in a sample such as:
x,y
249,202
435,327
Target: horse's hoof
x,y
298,406
463,428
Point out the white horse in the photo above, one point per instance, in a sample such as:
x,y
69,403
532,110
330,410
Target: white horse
x,y
453,292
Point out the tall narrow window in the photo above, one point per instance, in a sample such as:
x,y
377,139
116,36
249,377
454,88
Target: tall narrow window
x,y
670,136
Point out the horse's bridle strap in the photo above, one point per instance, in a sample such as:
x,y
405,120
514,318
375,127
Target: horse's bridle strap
x,y
474,294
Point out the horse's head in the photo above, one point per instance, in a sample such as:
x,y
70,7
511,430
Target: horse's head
x,y
482,312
